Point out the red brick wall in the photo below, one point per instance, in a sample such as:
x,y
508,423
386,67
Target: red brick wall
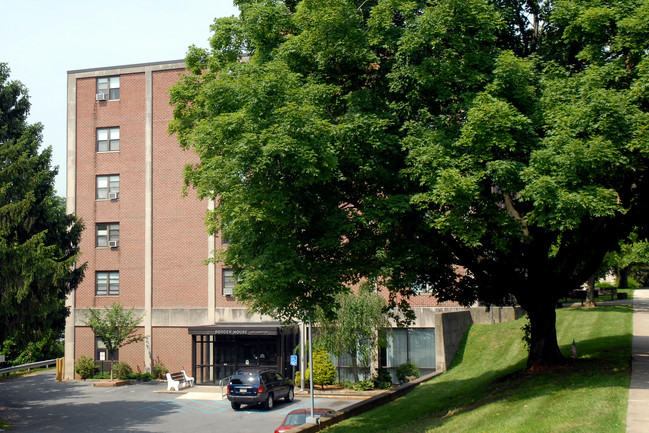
x,y
173,347
129,163
430,301
180,238
84,342
133,354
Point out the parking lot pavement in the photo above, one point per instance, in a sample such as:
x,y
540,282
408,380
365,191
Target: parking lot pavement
x,y
38,403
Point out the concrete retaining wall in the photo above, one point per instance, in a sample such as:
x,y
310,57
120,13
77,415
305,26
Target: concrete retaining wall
x,y
482,316
451,326
449,329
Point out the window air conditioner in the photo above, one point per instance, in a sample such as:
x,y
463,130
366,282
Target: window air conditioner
x,y
113,244
101,96
113,195
227,292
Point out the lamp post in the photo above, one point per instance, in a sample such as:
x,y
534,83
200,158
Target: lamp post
x,y
312,418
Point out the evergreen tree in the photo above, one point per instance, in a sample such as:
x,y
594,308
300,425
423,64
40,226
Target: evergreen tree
x,y
38,241
324,372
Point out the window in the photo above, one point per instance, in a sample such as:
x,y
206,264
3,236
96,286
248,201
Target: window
x,y
101,353
107,233
410,345
107,283
422,289
107,139
107,187
108,86
422,285
228,282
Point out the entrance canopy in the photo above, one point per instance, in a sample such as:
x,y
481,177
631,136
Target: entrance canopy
x,y
243,329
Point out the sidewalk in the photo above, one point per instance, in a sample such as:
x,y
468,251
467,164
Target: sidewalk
x,y
196,392
637,418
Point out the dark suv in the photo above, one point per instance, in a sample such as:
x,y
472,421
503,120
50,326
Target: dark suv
x,y
258,386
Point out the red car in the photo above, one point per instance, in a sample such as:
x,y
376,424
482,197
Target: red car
x,y
298,417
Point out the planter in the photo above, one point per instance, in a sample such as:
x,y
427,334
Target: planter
x,y
110,383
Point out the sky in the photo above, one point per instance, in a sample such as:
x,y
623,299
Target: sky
x,y
41,40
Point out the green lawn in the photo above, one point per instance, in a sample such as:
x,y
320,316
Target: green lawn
x,y
488,390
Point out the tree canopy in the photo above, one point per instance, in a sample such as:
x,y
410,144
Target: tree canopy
x,y
632,254
38,241
115,326
399,141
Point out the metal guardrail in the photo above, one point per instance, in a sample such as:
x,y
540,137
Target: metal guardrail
x,y
28,366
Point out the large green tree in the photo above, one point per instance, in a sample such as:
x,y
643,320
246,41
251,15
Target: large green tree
x,y
485,149
38,241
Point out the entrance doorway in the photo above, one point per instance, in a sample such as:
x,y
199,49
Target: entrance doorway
x,y
219,350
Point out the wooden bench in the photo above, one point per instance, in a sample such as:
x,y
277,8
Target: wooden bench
x,y
581,294
179,380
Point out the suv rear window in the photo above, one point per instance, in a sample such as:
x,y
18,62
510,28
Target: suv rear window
x,y
245,379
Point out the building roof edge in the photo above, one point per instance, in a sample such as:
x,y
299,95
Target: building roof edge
x,y
135,65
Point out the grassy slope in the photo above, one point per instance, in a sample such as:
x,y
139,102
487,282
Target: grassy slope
x,y
487,389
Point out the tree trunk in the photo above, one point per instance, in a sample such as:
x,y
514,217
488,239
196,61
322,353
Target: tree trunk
x,y
544,349
590,292
623,282
355,368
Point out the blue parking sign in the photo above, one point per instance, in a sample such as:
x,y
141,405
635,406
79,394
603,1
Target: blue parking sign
x,y
293,360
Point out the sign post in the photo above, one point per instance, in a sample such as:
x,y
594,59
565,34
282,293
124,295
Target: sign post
x,y
293,364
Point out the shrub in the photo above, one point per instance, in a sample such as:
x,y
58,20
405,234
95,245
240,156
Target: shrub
x,y
364,385
159,370
85,366
142,377
408,371
298,378
383,379
324,371
122,370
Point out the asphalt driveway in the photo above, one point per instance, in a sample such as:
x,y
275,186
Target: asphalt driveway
x,y
38,403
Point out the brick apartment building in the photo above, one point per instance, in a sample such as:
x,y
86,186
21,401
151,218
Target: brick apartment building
x,y
145,244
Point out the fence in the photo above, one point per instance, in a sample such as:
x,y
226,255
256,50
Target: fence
x,y
28,367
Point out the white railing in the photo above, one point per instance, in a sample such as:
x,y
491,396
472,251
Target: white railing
x,y
225,380
28,366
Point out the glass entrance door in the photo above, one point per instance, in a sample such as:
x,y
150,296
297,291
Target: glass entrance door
x,y
224,360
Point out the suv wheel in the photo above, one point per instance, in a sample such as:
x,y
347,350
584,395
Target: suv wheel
x,y
268,404
290,395
235,405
